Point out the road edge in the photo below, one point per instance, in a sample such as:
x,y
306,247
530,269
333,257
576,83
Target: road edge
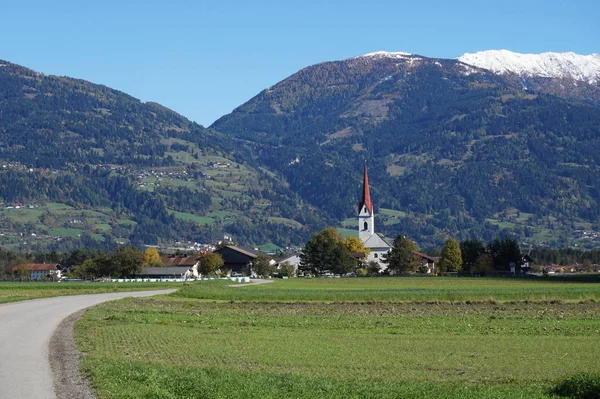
x,y
65,359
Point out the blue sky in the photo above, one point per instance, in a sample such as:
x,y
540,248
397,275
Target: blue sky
x,y
204,58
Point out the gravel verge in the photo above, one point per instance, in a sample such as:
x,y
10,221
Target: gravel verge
x,y
69,383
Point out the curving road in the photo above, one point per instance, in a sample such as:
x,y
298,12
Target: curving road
x,y
25,331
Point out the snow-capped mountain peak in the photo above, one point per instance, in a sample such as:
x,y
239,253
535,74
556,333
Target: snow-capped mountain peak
x,y
553,65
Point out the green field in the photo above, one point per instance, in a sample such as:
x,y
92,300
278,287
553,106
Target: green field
x,y
345,338
16,291
201,220
347,232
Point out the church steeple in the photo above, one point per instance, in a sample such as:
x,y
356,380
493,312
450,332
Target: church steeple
x,y
366,193
366,216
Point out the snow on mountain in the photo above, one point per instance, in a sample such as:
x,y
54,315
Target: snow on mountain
x,y
385,54
553,65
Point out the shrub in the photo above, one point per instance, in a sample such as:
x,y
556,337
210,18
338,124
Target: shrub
x,y
579,386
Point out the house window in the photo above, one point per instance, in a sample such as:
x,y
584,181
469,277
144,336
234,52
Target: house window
x,y
366,226
375,255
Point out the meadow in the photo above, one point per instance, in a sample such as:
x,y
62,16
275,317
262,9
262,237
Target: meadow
x,y
17,291
345,338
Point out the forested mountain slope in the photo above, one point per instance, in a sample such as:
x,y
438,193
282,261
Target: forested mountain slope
x,y
85,165
456,149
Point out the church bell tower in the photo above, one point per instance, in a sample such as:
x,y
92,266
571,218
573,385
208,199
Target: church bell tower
x,y
366,216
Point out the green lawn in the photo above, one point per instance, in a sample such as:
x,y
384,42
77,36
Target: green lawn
x,y
345,338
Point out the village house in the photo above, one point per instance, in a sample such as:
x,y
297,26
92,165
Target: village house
x,y
426,260
39,271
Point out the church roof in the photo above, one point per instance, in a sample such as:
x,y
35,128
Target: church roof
x,y
377,240
366,193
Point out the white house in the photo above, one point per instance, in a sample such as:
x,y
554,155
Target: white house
x,y
40,271
293,260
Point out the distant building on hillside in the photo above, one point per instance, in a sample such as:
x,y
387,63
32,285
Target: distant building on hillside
x,y
375,242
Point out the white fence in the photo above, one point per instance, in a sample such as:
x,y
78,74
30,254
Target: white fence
x,y
177,280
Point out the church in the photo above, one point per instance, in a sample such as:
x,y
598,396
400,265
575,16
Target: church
x,y
375,242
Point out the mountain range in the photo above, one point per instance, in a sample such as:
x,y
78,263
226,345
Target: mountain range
x,y
492,143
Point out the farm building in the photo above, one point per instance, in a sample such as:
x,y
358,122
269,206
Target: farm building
x,y
40,271
236,259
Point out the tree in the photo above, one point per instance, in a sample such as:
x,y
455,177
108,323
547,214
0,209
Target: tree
x,y
127,261
152,257
355,244
23,272
210,263
326,251
400,258
471,250
373,267
504,252
261,266
287,269
450,258
484,264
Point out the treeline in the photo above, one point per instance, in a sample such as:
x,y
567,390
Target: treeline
x,y
564,256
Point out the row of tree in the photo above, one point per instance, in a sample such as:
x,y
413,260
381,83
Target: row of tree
x,y
328,251
469,256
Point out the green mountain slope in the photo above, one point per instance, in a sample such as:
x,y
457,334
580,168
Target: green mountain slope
x,y
460,151
85,165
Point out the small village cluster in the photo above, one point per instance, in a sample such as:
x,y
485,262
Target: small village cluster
x,y
238,262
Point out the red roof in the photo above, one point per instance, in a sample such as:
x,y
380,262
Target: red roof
x,y
366,193
37,267
179,260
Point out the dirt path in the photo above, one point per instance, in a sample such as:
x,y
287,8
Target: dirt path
x,y
26,329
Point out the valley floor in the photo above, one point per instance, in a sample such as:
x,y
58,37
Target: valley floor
x,y
344,338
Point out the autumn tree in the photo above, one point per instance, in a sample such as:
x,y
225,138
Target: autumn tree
x,y
355,244
450,258
210,263
400,258
152,257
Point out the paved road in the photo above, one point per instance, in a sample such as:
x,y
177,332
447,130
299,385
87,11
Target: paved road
x,y
25,331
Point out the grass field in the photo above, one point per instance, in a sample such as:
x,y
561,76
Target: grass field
x,y
345,338
15,291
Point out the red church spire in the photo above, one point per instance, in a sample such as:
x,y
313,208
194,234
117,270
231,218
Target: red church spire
x,y
366,193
